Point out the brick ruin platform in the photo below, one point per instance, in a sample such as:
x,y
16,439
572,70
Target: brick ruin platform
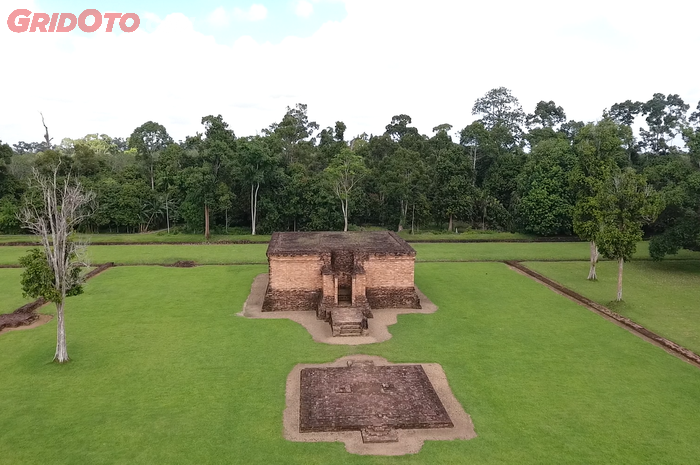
x,y
374,407
371,399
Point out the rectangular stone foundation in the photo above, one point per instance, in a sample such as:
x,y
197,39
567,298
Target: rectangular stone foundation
x,y
393,297
367,397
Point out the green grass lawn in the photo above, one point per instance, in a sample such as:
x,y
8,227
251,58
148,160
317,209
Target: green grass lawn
x,y
11,291
255,253
163,372
470,235
520,251
160,254
662,296
146,237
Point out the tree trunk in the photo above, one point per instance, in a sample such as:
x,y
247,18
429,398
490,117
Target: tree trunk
x,y
345,214
254,206
620,263
61,355
403,215
153,184
167,214
413,217
206,222
449,226
592,276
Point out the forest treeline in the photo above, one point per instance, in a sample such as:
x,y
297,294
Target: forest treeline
x,y
537,173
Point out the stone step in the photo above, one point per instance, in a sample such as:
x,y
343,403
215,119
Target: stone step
x,y
347,321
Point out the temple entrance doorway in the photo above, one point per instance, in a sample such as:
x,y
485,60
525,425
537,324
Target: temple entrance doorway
x,y
345,294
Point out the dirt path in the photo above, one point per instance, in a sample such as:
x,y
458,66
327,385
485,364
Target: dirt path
x,y
321,330
43,319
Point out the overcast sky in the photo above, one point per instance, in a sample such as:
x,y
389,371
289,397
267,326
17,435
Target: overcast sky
x,y
359,61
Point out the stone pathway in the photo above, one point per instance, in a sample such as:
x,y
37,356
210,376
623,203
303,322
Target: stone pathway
x,y
321,330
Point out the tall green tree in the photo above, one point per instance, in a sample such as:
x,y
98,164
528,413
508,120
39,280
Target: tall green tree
x,y
217,162
404,135
678,226
295,133
149,140
403,179
502,115
452,188
599,151
476,140
170,166
501,182
544,189
344,174
626,204
258,167
544,123
665,118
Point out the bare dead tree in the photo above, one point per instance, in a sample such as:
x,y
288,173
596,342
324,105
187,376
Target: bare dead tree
x,y
65,205
46,134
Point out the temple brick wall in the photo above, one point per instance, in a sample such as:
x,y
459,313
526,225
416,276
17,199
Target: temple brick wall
x,y
300,272
389,271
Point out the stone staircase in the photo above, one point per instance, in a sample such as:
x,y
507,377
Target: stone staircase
x,y
348,321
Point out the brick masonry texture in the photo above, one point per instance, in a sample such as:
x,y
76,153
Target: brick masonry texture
x,y
389,271
291,300
363,396
392,297
301,272
307,268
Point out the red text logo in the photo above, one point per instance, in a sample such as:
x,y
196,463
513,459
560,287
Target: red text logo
x,y
23,21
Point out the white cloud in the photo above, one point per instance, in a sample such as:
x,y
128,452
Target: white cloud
x,y
218,17
384,58
151,17
304,9
256,12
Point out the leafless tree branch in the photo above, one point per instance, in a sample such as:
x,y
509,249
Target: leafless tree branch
x,y
46,135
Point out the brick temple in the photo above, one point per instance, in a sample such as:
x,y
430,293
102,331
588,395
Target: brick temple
x,y
341,276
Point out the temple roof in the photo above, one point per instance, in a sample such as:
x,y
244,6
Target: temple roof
x,y
305,243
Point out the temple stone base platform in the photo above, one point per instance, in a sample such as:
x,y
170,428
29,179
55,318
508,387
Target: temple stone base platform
x,y
373,406
321,330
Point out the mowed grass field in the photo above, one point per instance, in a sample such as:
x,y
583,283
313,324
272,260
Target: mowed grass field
x,y
662,296
11,290
255,253
164,372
